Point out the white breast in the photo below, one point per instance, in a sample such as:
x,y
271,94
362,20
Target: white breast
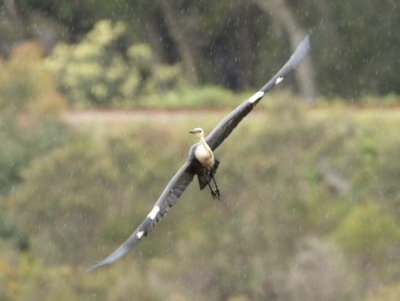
x,y
204,155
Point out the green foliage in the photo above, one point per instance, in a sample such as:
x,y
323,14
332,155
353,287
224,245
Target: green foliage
x,y
369,232
237,44
384,293
77,213
102,70
29,104
29,127
189,97
278,232
77,17
29,108
25,85
317,270
32,280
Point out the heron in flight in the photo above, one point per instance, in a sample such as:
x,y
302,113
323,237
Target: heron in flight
x,y
201,160
204,156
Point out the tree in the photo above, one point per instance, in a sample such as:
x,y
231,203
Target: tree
x,y
281,13
179,29
104,71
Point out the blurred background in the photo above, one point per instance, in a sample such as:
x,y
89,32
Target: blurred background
x,y
96,98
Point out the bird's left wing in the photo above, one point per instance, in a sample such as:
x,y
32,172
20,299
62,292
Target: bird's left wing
x,y
227,125
167,199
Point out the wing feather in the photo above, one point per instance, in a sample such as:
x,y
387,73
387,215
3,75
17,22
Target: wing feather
x,y
174,189
184,176
229,123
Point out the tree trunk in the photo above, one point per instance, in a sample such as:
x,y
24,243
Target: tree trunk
x,y
282,15
153,37
181,38
14,28
11,8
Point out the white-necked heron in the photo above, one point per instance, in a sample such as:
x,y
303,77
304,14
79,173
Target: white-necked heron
x,y
201,161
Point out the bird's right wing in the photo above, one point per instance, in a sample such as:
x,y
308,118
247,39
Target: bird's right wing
x,y
228,124
167,199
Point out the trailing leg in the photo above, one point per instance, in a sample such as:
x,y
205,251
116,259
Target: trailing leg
x,y
214,192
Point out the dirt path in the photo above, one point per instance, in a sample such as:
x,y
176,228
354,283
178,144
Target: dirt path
x,y
127,117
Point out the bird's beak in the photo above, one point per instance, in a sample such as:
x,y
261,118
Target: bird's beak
x,y
192,132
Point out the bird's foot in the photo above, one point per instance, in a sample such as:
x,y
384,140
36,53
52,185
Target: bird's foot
x,y
215,193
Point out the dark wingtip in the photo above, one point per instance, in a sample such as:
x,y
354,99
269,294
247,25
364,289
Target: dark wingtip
x,y
295,59
303,48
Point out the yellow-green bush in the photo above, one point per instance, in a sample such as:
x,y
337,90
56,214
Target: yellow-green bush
x,y
101,70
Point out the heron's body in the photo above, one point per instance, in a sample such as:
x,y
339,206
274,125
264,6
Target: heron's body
x,y
204,155
201,160
202,151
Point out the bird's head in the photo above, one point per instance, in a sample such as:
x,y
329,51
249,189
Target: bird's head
x,y
198,132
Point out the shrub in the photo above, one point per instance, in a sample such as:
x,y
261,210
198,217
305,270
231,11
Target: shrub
x,y
29,109
101,70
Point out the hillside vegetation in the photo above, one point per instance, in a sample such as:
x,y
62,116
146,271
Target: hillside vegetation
x,y
309,210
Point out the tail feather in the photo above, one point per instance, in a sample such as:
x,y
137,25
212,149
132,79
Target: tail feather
x,y
205,178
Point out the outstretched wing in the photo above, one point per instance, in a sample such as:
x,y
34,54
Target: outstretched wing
x,y
167,199
226,125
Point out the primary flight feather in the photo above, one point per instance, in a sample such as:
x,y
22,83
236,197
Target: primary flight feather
x,y
201,161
